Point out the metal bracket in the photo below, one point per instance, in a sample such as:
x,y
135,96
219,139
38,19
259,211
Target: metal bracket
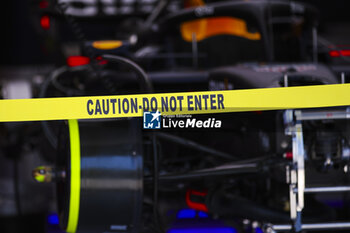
x,y
296,175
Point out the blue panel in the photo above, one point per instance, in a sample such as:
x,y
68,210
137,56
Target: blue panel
x,y
258,230
186,213
52,219
204,230
202,214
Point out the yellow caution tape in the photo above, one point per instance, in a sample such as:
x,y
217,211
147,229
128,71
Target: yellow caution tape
x,y
175,103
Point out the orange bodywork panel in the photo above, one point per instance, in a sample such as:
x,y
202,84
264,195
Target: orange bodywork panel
x,y
107,44
208,27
